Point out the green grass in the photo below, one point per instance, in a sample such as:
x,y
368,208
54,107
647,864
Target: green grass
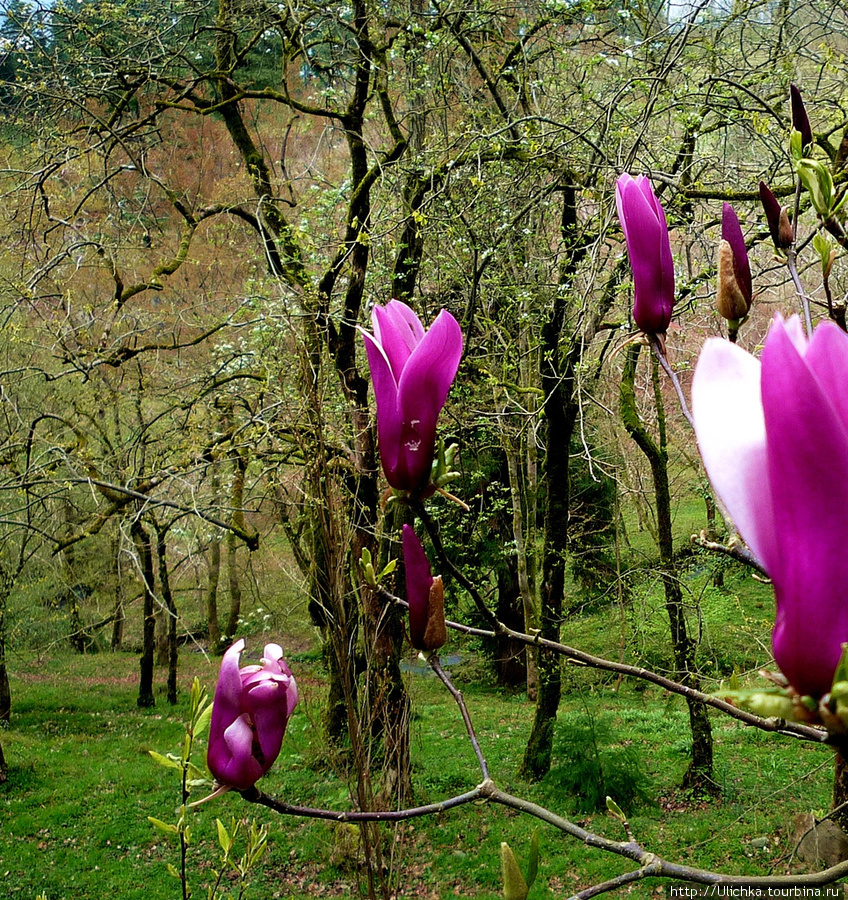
x,y
73,816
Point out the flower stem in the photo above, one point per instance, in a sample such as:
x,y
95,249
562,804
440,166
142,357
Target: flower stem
x,y
658,352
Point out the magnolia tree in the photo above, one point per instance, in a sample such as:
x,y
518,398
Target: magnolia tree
x,y
773,436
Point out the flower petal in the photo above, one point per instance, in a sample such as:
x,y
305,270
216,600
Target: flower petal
x,y
808,471
240,769
731,231
418,583
729,424
646,233
422,391
398,331
389,421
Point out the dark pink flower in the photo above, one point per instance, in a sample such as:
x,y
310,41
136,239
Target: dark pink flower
x,y
800,119
252,707
427,629
735,288
412,371
774,440
777,218
646,233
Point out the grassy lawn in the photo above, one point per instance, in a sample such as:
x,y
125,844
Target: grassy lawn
x,y
74,812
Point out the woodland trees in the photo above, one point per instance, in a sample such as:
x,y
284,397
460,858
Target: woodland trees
x,y
202,201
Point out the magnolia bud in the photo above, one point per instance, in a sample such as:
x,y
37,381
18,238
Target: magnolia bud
x,y
800,120
777,218
730,300
435,632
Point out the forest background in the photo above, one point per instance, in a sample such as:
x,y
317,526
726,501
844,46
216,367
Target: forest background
x,y
201,204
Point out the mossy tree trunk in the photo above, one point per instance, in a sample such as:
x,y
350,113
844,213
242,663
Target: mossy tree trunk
x,y
145,561
558,390
699,775
169,606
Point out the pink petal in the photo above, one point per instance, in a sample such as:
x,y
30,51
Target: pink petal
x,y
422,391
729,424
419,580
808,470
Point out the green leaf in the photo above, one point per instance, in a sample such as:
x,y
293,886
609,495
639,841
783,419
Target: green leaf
x,y
841,673
764,703
163,826
165,761
819,182
201,723
172,870
615,810
391,565
224,838
514,885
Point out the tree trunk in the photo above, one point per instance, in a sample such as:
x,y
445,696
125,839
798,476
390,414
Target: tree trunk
x,y
523,512
3,768
237,504
699,775
214,561
5,689
161,619
557,377
118,620
145,560
172,655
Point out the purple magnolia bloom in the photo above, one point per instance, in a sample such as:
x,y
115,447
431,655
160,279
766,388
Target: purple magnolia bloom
x,y
774,439
426,599
412,371
800,119
777,218
735,287
646,233
252,707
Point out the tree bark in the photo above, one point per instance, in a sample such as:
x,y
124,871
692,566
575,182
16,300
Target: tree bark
x,y
237,502
699,775
172,656
5,689
145,559
118,621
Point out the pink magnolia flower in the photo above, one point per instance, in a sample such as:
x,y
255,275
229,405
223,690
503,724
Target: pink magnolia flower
x,y
252,707
427,629
800,119
735,286
646,233
774,439
412,371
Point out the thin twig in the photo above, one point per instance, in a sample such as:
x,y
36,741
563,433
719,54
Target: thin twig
x,y
793,269
436,666
572,654
254,795
660,355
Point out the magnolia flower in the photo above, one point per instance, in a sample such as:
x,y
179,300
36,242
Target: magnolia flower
x,y
251,710
777,218
800,119
412,371
735,288
426,599
646,233
774,439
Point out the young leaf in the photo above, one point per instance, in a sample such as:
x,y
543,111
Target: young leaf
x,y
514,885
165,761
533,861
224,838
163,826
